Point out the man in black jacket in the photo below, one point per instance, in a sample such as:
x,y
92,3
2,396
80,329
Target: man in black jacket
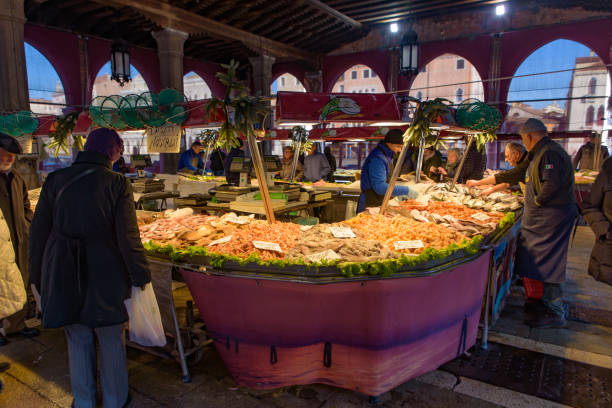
x,y
548,219
85,257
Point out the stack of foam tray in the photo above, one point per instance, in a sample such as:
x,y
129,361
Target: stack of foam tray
x,y
147,185
229,193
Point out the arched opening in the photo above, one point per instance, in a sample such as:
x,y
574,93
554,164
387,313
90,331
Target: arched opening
x,y
560,83
133,141
448,76
104,86
601,113
359,79
44,84
286,82
590,116
194,87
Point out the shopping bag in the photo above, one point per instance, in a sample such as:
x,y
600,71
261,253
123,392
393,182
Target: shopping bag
x,y
145,325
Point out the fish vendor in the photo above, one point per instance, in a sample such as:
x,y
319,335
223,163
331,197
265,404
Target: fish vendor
x,y
377,169
548,219
191,161
516,155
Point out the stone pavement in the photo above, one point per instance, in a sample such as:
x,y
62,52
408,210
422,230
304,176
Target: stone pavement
x,y
38,376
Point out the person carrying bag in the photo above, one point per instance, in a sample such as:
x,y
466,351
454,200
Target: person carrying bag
x,y
86,257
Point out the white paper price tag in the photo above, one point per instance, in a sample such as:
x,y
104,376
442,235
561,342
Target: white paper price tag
x,y
221,241
481,216
306,227
330,255
268,246
342,232
408,244
238,221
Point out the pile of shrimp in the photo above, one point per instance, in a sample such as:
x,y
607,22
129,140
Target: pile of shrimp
x,y
390,229
286,235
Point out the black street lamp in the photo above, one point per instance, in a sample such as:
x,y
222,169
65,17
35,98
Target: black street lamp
x,y
409,57
120,63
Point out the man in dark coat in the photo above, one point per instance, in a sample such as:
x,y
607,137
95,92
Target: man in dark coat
x,y
15,208
597,211
474,166
85,256
548,218
585,157
227,163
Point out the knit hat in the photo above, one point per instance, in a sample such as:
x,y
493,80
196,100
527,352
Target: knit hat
x,y
532,125
10,144
103,141
394,136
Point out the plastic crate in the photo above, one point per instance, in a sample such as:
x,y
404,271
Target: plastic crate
x,y
534,289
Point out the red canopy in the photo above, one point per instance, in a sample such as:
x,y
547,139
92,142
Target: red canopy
x,y
298,107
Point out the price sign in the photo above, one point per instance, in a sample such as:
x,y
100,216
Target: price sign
x,y
306,227
238,221
408,244
329,255
164,139
481,216
221,241
268,246
342,232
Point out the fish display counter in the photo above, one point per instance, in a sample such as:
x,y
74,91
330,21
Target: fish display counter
x,y
364,304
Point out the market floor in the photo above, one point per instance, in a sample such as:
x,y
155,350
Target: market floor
x,y
38,376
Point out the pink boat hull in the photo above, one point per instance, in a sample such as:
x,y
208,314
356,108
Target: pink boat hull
x,y
368,335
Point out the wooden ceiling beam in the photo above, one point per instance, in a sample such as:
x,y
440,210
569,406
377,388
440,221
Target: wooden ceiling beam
x,y
335,14
411,9
166,15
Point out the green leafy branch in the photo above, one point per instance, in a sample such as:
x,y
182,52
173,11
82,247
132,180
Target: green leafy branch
x,y
63,129
426,113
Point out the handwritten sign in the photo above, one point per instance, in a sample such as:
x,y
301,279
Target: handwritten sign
x,y
417,243
481,216
329,255
306,227
268,246
221,241
342,232
164,139
236,220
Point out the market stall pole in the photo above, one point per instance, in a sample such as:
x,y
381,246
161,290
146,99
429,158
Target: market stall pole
x,y
460,168
261,177
396,172
419,169
296,157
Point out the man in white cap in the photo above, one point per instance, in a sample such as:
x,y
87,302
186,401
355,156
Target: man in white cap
x,y
549,215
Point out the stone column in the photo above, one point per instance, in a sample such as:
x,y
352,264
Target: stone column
x,y
14,94
493,94
170,43
262,79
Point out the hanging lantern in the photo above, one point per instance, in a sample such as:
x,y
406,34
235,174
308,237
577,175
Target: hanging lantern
x,y
120,63
409,59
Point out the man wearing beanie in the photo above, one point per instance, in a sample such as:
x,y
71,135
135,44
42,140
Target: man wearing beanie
x,y
15,211
377,169
548,218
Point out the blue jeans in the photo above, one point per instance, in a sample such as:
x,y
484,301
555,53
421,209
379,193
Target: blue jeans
x,y
83,365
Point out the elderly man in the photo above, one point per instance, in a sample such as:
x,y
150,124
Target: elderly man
x,y
549,215
516,155
15,209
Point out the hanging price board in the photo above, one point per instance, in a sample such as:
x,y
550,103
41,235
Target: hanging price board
x,y
164,139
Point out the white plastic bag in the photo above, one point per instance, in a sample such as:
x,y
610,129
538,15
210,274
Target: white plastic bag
x,y
145,324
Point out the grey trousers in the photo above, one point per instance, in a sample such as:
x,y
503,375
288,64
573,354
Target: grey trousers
x,y
83,365
552,298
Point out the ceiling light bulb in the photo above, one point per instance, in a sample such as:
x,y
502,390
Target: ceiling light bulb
x,y
394,27
500,10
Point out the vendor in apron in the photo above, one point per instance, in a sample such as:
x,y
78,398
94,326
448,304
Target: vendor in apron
x,y
191,161
377,169
549,215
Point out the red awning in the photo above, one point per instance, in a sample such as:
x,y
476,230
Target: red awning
x,y
298,107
